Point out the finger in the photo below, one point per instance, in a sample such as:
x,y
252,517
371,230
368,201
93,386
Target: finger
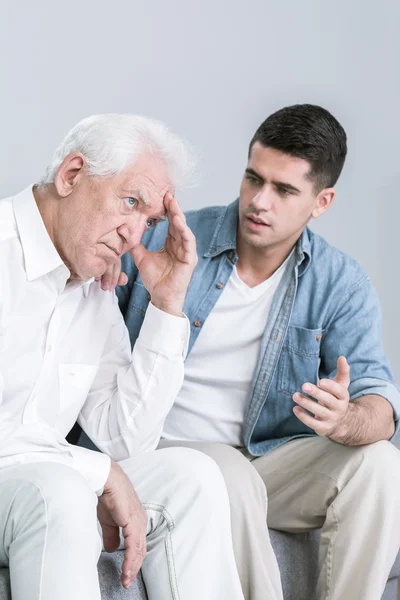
x,y
181,230
181,241
116,273
122,279
133,558
138,253
173,207
320,427
111,538
322,395
318,410
337,390
106,278
343,372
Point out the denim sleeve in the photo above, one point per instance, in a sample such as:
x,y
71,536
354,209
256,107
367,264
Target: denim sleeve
x,y
355,332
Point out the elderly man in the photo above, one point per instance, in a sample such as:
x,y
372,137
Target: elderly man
x,y
65,354
275,312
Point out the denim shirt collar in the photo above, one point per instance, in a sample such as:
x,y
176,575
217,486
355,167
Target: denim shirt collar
x,y
225,234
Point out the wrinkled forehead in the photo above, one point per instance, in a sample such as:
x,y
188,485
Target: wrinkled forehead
x,y
147,179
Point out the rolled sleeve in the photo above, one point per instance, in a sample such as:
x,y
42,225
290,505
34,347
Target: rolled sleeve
x,y
372,386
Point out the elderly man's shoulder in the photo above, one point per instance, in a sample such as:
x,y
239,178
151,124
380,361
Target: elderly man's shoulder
x,y
8,226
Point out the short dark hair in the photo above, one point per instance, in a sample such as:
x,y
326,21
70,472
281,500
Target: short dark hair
x,y
308,132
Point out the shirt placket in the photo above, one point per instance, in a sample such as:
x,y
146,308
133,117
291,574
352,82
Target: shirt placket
x,y
30,414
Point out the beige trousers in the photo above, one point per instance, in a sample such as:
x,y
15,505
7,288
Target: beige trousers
x,y
351,494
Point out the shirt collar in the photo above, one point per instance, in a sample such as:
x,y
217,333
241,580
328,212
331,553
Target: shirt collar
x,y
40,254
224,237
225,234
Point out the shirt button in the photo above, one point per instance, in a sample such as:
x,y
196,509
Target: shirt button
x,y
198,323
220,285
49,348
319,337
230,255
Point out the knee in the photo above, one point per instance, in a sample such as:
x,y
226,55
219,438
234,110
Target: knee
x,y
56,498
381,461
70,502
240,476
194,472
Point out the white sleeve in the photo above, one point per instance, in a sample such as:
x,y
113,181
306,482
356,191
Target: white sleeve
x,y
133,392
38,442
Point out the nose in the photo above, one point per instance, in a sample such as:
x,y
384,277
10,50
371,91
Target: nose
x,y
263,200
131,231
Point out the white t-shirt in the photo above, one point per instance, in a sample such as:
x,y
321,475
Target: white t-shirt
x,y
219,370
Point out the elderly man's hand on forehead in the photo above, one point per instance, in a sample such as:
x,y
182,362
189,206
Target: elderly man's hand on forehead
x,y
166,273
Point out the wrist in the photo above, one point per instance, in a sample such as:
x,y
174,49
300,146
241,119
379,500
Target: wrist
x,y
174,307
109,484
342,433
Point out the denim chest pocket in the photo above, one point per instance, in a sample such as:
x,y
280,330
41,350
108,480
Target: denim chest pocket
x,y
299,361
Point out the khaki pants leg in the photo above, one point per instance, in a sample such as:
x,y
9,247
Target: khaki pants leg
x,y
353,495
255,559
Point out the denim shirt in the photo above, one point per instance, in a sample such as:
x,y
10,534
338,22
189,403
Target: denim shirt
x,y
324,307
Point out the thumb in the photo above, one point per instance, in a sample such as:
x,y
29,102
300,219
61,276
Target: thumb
x,y
138,253
343,372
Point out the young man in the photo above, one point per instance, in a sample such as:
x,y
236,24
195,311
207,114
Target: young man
x,y
65,354
286,367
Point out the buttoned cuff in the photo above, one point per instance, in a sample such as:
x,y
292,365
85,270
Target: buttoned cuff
x,y
164,333
93,466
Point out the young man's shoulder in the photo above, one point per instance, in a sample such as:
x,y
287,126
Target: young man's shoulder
x,y
330,262
208,213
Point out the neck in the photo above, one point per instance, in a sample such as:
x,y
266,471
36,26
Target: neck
x,y
47,207
48,203
256,265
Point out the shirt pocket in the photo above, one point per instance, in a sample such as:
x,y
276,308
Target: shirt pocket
x,y
75,382
299,360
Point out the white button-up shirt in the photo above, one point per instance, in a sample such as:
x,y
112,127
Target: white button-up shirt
x,y
65,356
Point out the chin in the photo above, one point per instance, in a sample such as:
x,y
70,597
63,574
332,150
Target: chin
x,y
95,269
257,241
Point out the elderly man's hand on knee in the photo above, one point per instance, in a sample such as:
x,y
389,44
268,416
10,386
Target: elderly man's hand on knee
x,y
119,506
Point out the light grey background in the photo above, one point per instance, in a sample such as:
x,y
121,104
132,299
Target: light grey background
x,y
213,70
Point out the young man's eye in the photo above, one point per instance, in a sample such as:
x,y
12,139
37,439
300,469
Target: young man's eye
x,y
150,223
283,192
252,179
131,202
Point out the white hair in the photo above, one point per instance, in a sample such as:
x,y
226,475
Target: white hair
x,y
109,142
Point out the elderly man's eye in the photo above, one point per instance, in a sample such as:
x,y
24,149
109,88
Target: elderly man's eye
x,y
150,223
131,202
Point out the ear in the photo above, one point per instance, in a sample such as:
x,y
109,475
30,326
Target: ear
x,y
324,201
69,173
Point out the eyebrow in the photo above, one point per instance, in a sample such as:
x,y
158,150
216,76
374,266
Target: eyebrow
x,y
143,198
287,186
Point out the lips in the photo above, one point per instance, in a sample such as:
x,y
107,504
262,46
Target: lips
x,y
257,221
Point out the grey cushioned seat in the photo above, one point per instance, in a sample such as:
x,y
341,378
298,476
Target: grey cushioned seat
x,y
296,554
